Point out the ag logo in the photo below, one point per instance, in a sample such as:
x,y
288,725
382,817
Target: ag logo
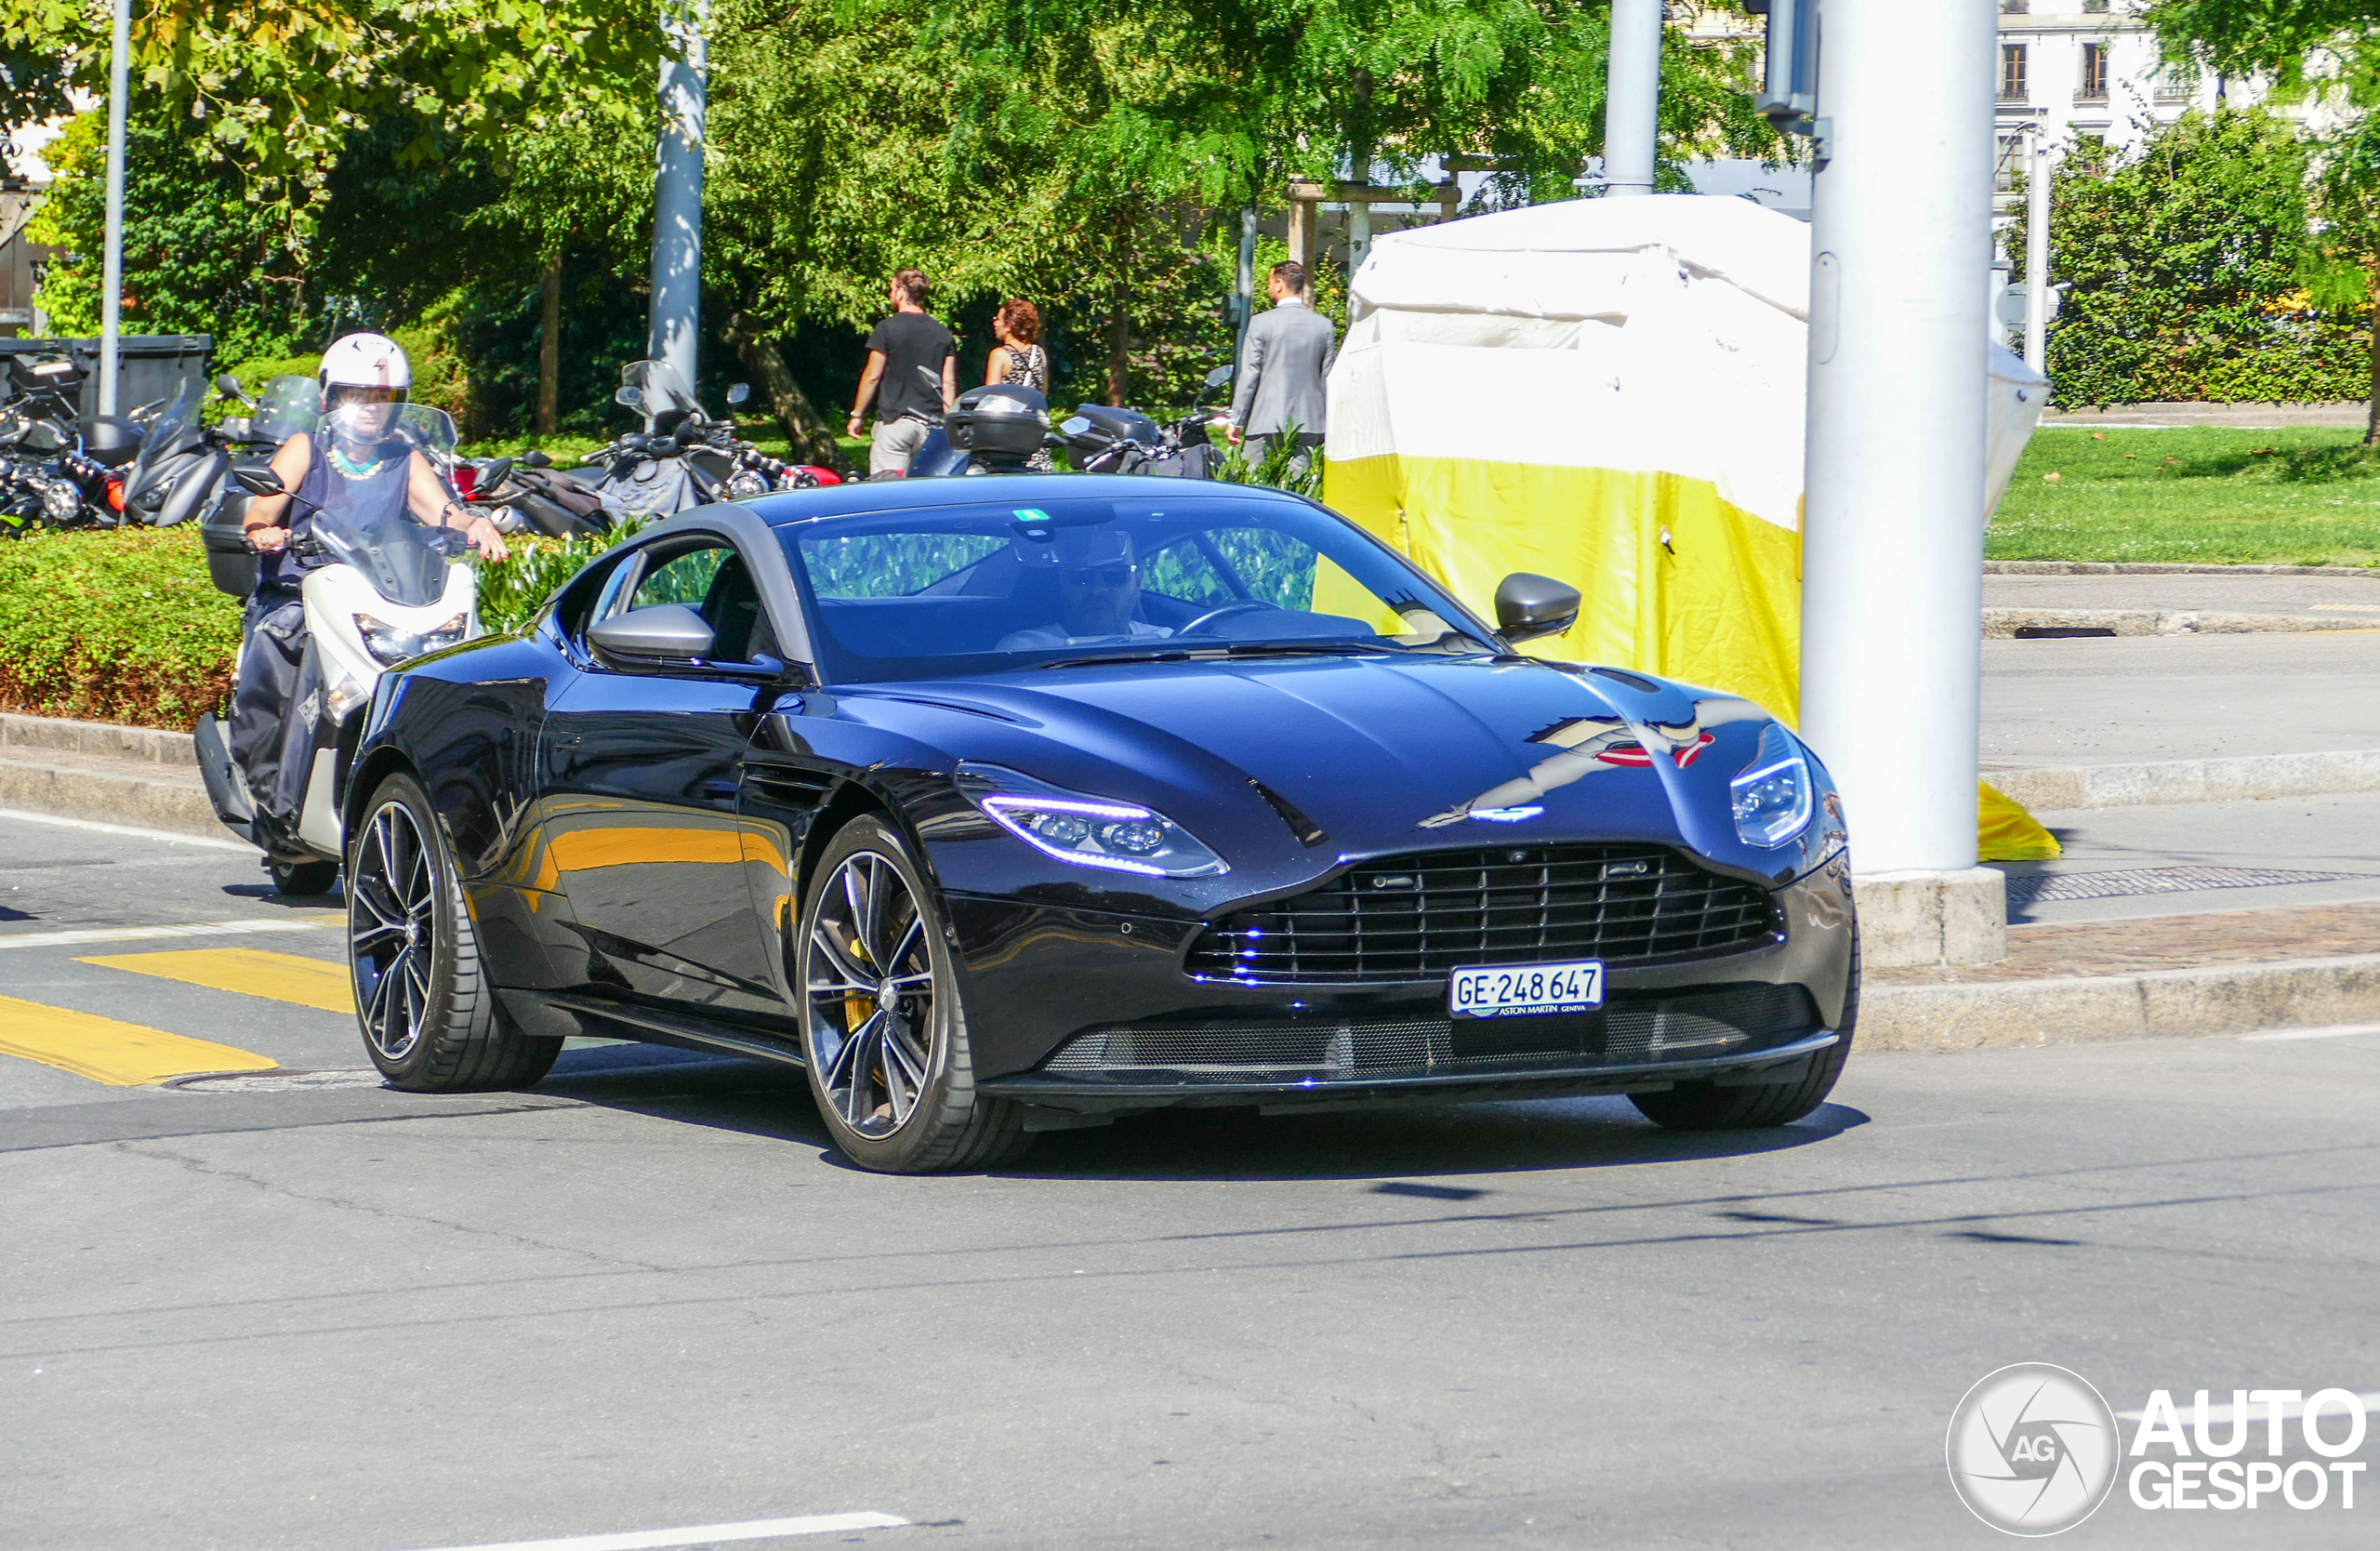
x,y
2032,1450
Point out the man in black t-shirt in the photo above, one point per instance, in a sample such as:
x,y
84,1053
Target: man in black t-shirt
x,y
906,406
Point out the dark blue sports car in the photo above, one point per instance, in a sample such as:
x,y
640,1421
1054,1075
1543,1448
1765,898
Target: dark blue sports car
x,y
1003,805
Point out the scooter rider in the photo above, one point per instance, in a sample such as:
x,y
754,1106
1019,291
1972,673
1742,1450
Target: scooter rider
x,y
356,469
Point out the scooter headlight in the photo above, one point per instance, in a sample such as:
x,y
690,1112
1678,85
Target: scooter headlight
x,y
393,644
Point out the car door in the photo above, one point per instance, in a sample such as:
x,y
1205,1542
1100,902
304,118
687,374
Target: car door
x,y
643,771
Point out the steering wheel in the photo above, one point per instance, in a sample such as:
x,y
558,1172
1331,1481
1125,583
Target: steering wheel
x,y
1214,614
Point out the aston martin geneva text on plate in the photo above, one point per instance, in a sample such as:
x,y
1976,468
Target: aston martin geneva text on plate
x,y
1003,805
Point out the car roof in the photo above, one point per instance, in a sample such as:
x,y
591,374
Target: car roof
x,y
871,497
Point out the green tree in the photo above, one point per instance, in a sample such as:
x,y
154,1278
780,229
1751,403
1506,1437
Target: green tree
x,y
2186,255
2309,51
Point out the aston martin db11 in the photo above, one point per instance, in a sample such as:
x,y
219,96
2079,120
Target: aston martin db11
x,y
1013,804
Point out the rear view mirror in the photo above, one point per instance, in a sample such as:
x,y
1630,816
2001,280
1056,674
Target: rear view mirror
x,y
632,396
229,385
496,473
738,393
1219,376
662,633
258,479
1528,605
535,459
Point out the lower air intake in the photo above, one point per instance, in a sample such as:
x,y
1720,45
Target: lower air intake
x,y
1635,1028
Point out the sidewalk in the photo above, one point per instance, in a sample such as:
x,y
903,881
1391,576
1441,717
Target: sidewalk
x,y
107,774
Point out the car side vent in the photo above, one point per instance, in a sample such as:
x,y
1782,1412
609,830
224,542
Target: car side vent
x,y
788,785
1308,832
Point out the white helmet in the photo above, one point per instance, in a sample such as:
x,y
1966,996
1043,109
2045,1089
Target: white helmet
x,y
366,361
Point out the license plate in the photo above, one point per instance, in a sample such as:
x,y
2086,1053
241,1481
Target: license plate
x,y
1526,990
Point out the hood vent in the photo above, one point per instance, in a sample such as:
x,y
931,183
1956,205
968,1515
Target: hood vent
x,y
1308,832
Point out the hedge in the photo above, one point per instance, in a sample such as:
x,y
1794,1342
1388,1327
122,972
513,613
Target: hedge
x,y
125,625
113,626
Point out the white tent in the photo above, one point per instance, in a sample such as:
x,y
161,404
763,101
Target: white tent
x,y
1608,392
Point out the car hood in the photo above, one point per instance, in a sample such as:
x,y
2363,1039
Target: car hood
x,y
1379,754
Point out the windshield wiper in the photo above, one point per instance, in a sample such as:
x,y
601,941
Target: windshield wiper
x,y
1223,651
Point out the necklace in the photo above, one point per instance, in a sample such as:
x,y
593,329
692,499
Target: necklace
x,y
351,467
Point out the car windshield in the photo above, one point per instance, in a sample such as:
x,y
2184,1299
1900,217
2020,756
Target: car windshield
x,y
987,588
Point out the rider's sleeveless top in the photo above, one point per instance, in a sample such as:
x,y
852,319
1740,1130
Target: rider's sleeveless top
x,y
355,501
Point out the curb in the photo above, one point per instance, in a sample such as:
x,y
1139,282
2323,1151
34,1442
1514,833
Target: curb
x,y
2156,1004
2003,623
2049,787
97,738
2143,568
172,800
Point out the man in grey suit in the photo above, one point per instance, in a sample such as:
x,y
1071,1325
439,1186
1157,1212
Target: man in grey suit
x,y
1279,390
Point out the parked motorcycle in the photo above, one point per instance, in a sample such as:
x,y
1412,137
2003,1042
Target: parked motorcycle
x,y
1101,440
389,591
683,458
41,424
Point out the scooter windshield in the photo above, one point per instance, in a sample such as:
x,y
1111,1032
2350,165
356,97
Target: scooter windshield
x,y
665,390
165,435
402,559
288,406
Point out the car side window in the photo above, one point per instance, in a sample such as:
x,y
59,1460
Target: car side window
x,y
710,578
1183,571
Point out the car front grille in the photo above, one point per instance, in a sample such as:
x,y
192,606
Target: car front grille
x,y
1635,1028
1412,918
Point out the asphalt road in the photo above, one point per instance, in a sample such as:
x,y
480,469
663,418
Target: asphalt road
x,y
644,1297
2124,699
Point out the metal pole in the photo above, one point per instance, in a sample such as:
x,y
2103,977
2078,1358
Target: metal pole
x,y
111,264
2037,171
676,328
1632,98
1244,281
1891,550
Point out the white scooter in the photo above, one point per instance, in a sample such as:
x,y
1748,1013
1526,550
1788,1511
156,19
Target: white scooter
x,y
390,591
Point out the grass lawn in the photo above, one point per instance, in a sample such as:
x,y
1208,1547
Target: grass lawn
x,y
2202,494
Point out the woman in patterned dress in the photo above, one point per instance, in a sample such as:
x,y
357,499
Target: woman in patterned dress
x,y
1019,358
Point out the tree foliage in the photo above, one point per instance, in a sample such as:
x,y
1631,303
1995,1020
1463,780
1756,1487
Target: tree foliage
x,y
2188,256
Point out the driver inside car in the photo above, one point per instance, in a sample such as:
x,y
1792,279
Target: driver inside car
x,y
1099,590
358,469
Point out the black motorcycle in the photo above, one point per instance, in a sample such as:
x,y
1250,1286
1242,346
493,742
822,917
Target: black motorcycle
x,y
1101,440
684,458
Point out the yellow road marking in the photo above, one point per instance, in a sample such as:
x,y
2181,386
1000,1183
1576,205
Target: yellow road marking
x,y
249,971
122,1055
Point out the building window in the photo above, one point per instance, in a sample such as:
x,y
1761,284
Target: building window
x,y
2015,8
2012,72
2095,8
2095,73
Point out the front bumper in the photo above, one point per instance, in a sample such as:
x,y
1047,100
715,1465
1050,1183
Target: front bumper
x,y
1090,1011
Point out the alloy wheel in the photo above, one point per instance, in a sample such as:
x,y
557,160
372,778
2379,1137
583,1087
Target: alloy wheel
x,y
391,929
869,978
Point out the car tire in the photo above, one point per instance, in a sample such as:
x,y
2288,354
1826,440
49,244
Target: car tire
x,y
303,878
428,1016
893,1102
1707,1106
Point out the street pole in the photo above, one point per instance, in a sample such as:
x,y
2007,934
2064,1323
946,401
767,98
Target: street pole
x,y
112,263
676,325
1632,98
1892,557
2037,293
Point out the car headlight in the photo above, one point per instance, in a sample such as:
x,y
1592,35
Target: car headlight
x,y
1772,798
1085,831
393,645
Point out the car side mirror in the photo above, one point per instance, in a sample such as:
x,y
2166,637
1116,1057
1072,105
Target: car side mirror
x,y
1528,605
258,479
630,396
738,393
661,635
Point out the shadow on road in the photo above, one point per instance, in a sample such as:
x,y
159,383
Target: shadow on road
x,y
758,1099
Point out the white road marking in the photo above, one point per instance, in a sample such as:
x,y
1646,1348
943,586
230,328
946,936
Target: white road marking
x,y
703,1534
190,929
2332,1031
167,836
2290,1410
